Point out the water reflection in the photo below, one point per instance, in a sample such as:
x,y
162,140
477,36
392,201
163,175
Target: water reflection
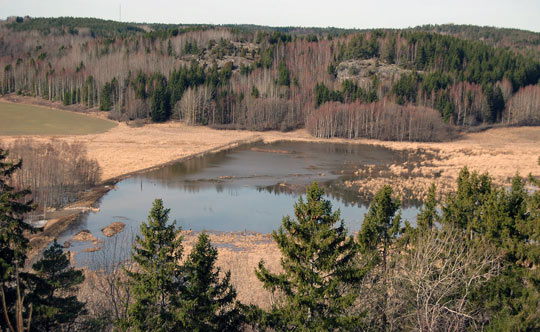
x,y
246,189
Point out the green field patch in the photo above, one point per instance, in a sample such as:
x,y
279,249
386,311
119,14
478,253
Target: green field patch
x,y
20,119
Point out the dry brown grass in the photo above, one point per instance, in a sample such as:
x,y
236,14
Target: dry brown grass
x,y
113,229
240,253
502,152
123,150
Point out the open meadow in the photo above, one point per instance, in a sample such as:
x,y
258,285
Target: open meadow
x,y
23,119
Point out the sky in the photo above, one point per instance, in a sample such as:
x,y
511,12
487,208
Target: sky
x,y
521,14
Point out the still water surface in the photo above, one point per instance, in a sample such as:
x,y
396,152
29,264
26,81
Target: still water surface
x,y
245,189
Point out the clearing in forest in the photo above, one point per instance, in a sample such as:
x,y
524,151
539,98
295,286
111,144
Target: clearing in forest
x,y
22,119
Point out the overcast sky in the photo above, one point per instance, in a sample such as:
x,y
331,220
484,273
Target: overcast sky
x,y
521,14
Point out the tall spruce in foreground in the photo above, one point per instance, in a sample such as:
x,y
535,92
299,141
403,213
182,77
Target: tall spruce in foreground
x,y
54,298
379,231
156,279
319,270
428,216
209,302
508,219
16,312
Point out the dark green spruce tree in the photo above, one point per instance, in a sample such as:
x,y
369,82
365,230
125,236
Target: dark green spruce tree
x,y
379,231
428,216
53,296
209,301
462,208
156,279
319,270
106,96
15,308
509,220
284,76
161,100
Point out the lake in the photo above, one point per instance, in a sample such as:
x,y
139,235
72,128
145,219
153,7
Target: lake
x,y
246,189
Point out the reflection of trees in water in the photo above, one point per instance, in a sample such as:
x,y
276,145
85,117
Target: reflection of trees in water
x,y
334,190
330,154
194,187
347,197
187,167
333,159
280,189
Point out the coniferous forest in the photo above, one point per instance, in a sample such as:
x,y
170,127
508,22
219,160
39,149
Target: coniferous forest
x,y
413,84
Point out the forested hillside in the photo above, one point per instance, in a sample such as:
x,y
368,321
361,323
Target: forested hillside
x,y
522,41
386,84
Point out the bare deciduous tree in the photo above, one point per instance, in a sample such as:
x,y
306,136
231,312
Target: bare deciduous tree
x,y
55,171
109,293
436,277
524,107
380,120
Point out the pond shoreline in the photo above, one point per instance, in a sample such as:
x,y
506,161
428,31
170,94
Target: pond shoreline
x,y
126,151
59,221
501,152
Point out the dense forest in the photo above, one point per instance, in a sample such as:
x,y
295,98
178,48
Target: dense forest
x,y
469,264
341,82
522,41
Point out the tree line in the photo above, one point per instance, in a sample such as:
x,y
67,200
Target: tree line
x,y
379,120
522,41
469,264
55,172
40,297
233,74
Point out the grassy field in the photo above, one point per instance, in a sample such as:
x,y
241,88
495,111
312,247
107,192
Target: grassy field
x,y
21,119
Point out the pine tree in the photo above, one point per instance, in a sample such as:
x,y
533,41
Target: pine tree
x,y
55,303
156,280
379,230
319,268
209,302
13,246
